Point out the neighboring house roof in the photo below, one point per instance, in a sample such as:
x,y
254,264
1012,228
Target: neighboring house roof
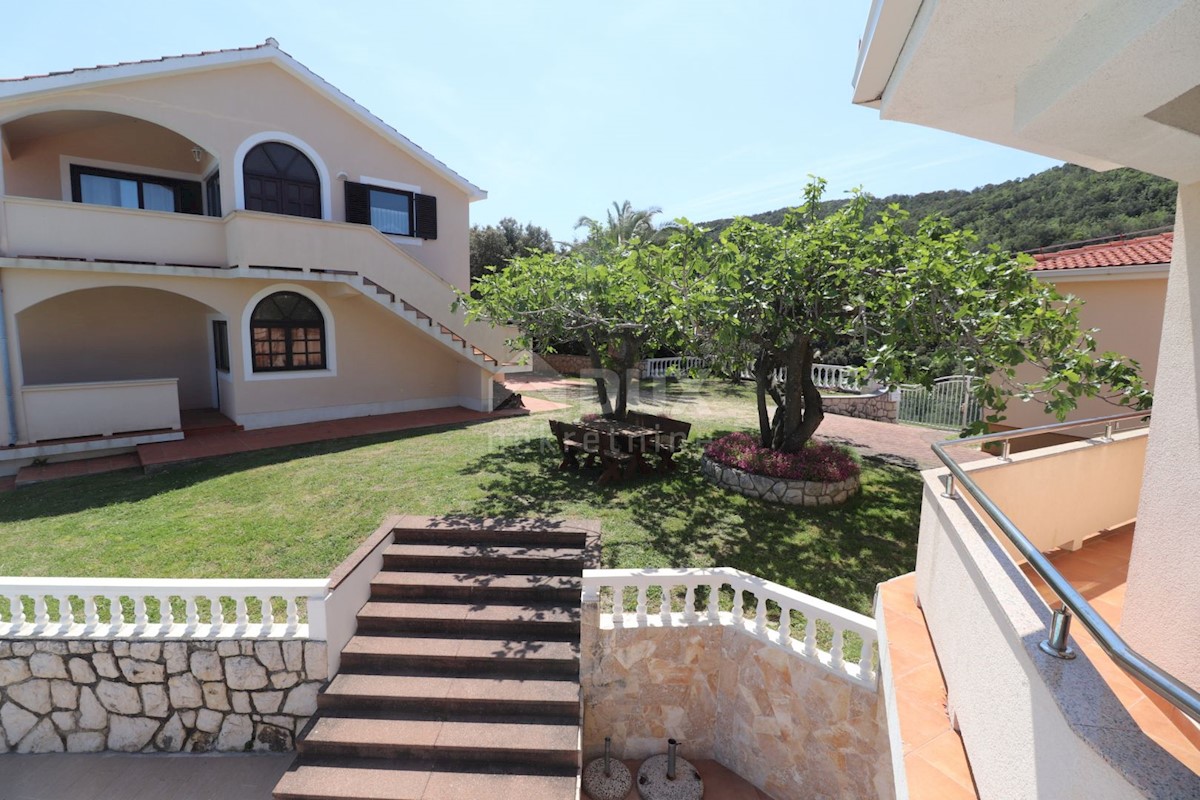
x,y
268,51
1141,251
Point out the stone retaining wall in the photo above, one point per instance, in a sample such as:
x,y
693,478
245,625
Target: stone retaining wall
x,y
566,364
880,406
779,490
193,696
787,725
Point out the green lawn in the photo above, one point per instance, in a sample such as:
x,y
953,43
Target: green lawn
x,y
298,511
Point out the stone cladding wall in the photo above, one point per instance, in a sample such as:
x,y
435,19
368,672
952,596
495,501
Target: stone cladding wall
x,y
790,727
566,364
84,696
881,407
779,490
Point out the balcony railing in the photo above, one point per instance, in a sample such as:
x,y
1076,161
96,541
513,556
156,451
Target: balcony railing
x,y
100,408
1073,603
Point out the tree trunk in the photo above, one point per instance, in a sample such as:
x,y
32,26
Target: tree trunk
x,y
598,368
798,418
627,360
762,385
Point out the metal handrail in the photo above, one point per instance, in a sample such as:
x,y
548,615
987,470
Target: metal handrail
x,y
1179,694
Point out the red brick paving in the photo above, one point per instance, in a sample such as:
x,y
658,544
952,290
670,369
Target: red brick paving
x,y
227,443
70,469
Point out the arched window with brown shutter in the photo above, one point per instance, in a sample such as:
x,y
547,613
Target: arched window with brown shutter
x,y
279,179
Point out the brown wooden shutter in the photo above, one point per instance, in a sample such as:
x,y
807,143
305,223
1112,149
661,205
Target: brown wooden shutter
x,y
425,208
358,203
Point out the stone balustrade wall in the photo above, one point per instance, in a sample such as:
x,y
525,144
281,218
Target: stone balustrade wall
x,y
881,406
191,696
790,727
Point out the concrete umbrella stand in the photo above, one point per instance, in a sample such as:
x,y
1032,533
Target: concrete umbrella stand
x,y
668,777
606,778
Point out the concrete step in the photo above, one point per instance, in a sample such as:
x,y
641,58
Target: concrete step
x,y
496,620
353,781
476,586
439,694
460,656
548,534
474,558
438,742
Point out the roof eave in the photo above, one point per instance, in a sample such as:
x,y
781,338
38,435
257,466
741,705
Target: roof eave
x,y
1122,272
264,53
888,26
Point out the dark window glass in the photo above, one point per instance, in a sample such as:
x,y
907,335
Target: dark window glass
x,y
287,332
279,179
221,344
212,191
107,187
391,211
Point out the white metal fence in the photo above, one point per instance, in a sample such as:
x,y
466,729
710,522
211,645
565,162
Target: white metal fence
x,y
949,404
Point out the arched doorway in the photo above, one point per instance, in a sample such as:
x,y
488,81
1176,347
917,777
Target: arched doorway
x,y
279,179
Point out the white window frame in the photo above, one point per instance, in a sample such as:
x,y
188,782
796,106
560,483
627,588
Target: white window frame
x,y
239,174
248,373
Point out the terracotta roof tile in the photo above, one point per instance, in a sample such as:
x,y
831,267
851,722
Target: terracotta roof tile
x,y
268,43
1122,253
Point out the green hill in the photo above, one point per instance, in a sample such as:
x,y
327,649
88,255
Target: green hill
x,y
1062,204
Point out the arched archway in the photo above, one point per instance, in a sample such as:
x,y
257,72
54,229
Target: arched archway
x,y
120,333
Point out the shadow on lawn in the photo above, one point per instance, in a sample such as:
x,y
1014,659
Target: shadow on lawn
x,y
682,520
73,495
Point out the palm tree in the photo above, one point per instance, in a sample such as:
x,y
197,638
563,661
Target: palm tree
x,y
623,225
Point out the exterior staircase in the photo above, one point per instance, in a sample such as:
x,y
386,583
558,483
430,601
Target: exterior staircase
x,y
462,680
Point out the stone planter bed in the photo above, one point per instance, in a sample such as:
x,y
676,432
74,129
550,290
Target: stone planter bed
x,y
780,490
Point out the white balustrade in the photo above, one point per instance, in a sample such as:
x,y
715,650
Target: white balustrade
x,y
201,620
672,367
819,615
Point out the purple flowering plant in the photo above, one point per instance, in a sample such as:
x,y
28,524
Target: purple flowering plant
x,y
816,461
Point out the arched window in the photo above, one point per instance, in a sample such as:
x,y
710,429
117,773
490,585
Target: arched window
x,y
281,180
287,332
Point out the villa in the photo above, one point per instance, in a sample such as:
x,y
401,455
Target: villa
x,y
221,234
169,244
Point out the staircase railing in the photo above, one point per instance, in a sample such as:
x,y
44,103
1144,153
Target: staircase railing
x,y
1072,603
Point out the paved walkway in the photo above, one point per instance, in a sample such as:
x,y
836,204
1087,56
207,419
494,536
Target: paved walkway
x,y
228,442
225,776
908,445
119,776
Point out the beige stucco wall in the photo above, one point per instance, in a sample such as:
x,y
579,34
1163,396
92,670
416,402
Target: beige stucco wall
x,y
380,363
220,109
118,333
1129,316
788,726
1162,602
35,166
1060,495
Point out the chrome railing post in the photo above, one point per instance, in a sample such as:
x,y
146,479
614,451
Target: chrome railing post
x,y
1108,431
950,488
1005,449
1055,643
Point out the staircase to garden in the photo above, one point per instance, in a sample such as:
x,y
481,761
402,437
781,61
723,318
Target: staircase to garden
x,y
463,677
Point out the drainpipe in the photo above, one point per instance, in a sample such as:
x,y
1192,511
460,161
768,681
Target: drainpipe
x,y
6,371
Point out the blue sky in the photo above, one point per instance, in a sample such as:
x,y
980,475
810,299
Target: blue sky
x,y
557,109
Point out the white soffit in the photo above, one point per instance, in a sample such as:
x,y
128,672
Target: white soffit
x,y
1073,80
